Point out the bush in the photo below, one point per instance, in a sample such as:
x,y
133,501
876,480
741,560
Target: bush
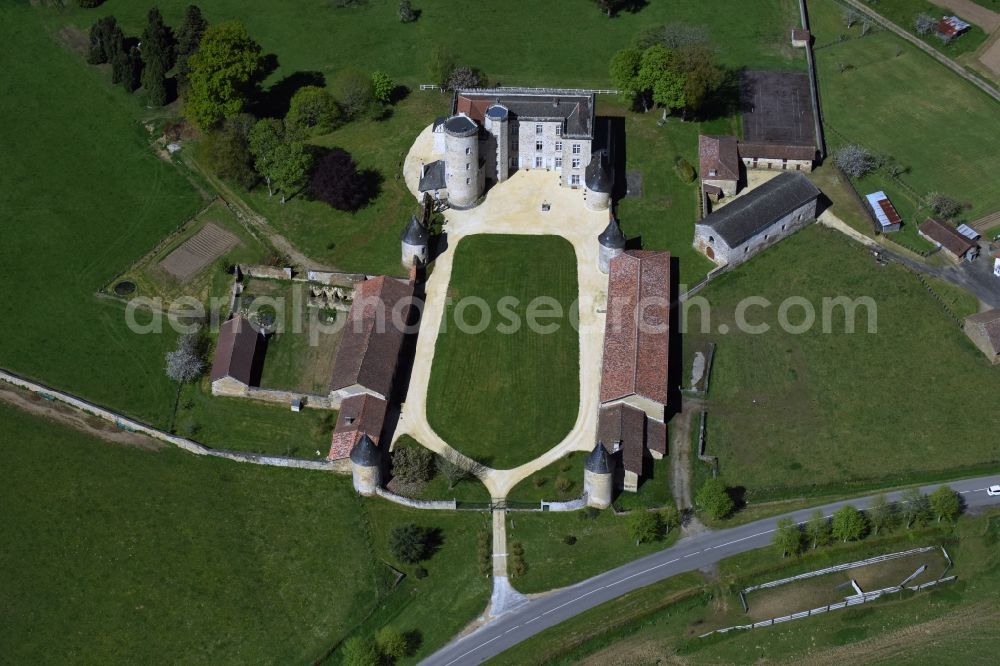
x,y
227,151
89,4
539,481
589,513
382,87
356,94
924,24
420,572
563,484
569,539
645,526
360,651
684,170
406,12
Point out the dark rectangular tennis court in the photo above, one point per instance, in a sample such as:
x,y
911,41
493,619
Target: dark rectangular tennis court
x,y
776,108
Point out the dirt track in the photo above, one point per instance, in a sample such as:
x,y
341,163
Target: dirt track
x,y
77,420
987,19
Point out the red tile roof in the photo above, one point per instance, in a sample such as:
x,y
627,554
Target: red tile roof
x,y
373,335
359,415
949,238
635,352
236,351
718,158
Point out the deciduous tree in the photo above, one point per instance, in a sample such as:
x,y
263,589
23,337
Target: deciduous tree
x,y
924,23
312,110
644,526
186,363
106,39
788,537
413,464
227,150
337,181
464,77
854,160
625,72
406,12
360,651
440,64
848,524
880,513
945,504
221,70
943,205
913,506
713,498
410,543
818,529
392,643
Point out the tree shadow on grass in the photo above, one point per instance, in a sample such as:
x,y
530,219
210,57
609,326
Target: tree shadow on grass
x,y
275,101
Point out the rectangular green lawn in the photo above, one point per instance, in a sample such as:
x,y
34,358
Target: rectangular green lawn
x,y
505,398
835,412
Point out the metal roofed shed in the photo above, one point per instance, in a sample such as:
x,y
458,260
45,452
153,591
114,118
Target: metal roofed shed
x,y
968,232
883,210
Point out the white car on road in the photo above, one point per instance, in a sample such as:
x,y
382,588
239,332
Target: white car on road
x,y
994,490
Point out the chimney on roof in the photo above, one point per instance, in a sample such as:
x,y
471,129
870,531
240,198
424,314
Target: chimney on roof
x,y
349,420
555,102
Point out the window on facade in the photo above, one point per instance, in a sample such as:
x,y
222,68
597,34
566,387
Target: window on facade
x,y
576,149
576,162
468,151
468,181
713,172
468,165
538,145
711,239
574,180
538,162
782,227
559,163
558,146
558,130
538,129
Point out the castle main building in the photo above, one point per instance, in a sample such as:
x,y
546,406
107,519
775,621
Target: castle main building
x,y
492,132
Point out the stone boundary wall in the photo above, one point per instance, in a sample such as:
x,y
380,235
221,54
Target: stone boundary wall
x,y
266,272
571,505
188,445
286,397
813,86
335,279
442,505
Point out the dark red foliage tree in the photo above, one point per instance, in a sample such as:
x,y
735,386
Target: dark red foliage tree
x,y
336,180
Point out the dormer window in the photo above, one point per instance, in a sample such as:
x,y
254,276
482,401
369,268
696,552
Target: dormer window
x,y
713,172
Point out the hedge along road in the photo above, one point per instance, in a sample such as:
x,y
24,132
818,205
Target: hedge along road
x,y
687,554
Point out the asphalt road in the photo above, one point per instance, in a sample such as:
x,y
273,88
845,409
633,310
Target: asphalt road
x,y
687,554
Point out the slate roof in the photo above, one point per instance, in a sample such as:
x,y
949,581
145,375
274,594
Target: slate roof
x,y
461,125
575,110
635,352
236,351
656,436
432,177
949,238
369,349
598,462
800,35
415,233
597,177
612,235
365,453
623,427
989,325
718,154
359,415
759,208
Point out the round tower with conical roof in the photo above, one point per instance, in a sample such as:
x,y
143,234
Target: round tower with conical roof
x,y
597,182
597,477
611,242
415,241
366,466
463,177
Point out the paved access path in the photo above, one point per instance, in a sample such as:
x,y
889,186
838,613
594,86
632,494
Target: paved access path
x,y
688,554
512,207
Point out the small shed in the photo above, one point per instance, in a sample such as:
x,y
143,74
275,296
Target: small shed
x,y
984,331
968,232
886,217
800,38
996,264
950,27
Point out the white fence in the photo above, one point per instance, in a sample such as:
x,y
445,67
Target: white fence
x,y
838,567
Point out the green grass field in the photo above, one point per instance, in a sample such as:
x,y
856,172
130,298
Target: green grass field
x,y
485,387
84,197
810,413
946,625
903,12
317,37
911,108
602,543
131,556
543,484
